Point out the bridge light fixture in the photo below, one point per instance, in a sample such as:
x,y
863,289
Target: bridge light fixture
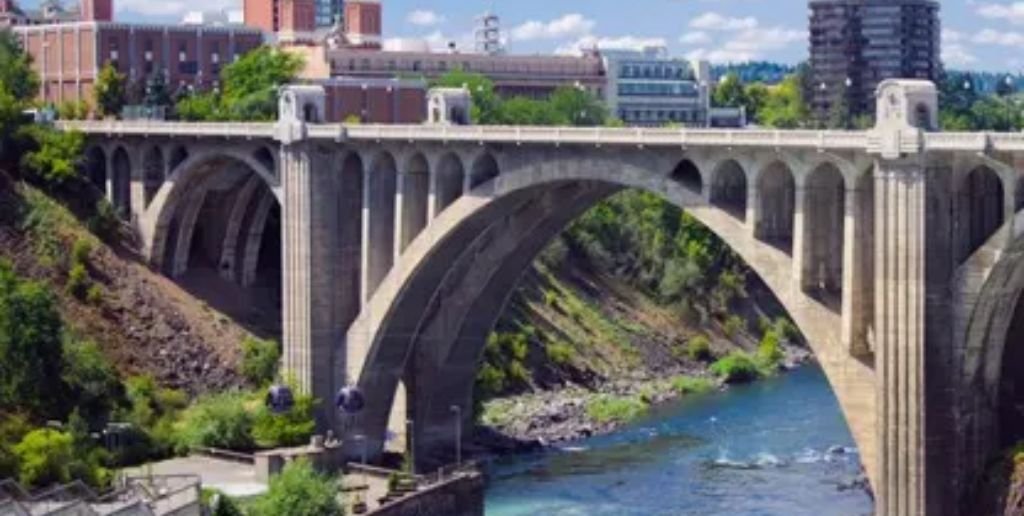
x,y
457,410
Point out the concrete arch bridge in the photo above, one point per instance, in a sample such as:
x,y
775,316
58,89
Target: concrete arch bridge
x,y
896,251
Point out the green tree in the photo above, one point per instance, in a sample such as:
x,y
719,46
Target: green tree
x,y
198,107
31,349
16,68
578,107
109,91
58,156
486,103
784,108
249,85
729,92
526,111
299,491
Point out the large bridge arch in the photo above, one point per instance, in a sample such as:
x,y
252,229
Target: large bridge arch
x,y
989,312
422,282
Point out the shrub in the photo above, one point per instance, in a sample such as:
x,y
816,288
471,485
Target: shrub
x,y
691,385
94,295
80,252
560,353
73,110
220,504
44,456
219,421
78,281
517,373
13,429
58,156
615,409
699,348
31,347
769,352
259,360
733,326
490,381
293,428
104,222
92,380
299,491
736,367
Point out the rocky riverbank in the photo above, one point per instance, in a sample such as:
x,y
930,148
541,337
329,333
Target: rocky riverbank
x,y
532,421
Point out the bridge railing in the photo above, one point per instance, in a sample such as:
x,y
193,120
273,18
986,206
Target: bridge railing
x,y
834,140
161,128
599,136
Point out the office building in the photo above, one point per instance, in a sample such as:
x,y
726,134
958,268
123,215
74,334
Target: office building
x,y
856,44
650,88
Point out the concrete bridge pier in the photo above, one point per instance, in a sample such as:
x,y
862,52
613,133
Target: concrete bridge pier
x,y
311,239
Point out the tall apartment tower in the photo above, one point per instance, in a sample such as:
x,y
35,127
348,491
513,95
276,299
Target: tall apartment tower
x,y
363,23
488,34
856,44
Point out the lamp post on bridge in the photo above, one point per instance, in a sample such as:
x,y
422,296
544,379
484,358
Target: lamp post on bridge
x,y
457,410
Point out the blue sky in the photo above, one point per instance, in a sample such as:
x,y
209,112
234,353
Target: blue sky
x,y
978,34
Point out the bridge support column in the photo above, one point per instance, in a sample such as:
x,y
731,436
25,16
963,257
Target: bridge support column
x,y
858,257
913,317
309,220
801,272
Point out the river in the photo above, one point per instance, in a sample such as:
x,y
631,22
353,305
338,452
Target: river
x,y
777,447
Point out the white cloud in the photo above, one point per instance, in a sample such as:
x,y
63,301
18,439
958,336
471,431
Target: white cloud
x,y
568,26
424,18
954,48
695,38
715,21
956,54
750,44
618,43
999,38
1013,12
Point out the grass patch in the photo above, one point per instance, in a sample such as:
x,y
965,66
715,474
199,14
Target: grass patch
x,y
692,385
615,409
560,353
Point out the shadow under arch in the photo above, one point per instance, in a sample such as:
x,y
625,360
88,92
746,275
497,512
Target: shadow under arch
x,y
214,226
394,318
991,389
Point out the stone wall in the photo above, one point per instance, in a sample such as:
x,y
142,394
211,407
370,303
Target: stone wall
x,y
462,495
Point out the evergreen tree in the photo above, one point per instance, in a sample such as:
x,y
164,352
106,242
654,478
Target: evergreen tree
x,y
110,91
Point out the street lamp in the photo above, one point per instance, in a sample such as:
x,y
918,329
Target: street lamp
x,y
458,434
409,444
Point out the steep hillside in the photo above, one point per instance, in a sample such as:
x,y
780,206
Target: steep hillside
x,y
142,322
635,304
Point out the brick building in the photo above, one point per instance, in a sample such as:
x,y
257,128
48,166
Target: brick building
x,y
380,101
69,56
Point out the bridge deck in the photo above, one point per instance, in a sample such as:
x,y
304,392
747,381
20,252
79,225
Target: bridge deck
x,y
769,139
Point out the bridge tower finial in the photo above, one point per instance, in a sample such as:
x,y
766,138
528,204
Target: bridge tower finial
x,y
298,106
905,109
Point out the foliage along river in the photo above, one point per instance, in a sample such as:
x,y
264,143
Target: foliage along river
x,y
777,447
